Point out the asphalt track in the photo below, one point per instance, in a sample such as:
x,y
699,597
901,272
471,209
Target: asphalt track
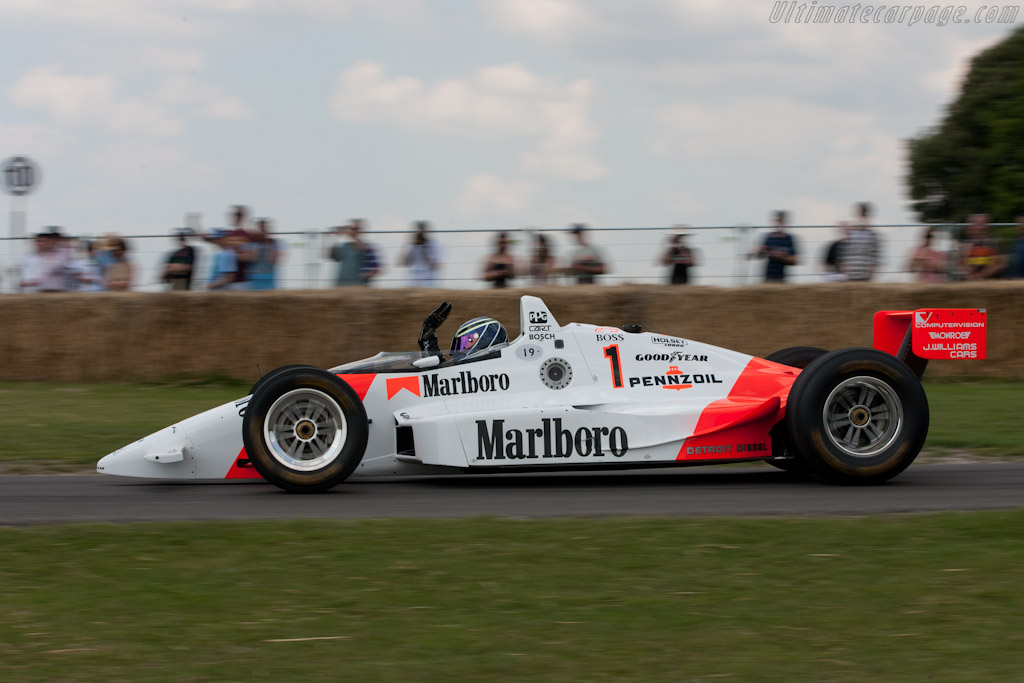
x,y
44,499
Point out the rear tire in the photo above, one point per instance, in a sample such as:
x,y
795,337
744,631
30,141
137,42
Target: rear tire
x,y
797,356
857,416
305,430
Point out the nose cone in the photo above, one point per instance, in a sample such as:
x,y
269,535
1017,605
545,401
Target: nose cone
x,y
167,454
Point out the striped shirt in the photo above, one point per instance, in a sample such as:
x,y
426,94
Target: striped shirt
x,y
859,253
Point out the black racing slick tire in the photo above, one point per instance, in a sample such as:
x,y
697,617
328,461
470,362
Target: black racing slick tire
x,y
857,416
797,356
262,381
794,357
305,430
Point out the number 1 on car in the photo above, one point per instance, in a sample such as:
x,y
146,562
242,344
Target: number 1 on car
x,y
612,354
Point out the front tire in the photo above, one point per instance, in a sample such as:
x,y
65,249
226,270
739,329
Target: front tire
x,y
273,374
305,430
857,416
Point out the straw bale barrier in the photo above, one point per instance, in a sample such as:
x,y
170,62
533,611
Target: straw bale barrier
x,y
198,335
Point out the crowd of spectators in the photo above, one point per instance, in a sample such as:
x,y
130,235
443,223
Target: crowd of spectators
x,y
61,263
246,256
584,264
977,255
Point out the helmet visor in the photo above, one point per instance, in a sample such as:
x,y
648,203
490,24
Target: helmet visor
x,y
467,341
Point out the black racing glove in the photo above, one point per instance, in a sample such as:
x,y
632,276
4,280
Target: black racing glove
x,y
428,337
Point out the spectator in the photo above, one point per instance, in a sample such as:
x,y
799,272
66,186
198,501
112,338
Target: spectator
x,y
85,271
587,261
225,273
680,256
102,253
1018,249
779,248
861,251
423,256
500,266
542,261
180,265
120,273
926,261
261,253
357,259
980,255
44,270
831,261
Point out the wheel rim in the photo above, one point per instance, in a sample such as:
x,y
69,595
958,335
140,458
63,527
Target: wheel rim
x,y
863,416
305,429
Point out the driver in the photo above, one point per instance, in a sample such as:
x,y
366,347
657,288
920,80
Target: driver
x,y
475,337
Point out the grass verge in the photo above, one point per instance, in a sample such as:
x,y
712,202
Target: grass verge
x,y
60,427
64,427
910,598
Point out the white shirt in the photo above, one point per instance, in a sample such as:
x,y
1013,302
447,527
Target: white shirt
x,y
424,260
46,272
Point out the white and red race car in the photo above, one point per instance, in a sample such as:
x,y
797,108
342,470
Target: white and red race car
x,y
573,396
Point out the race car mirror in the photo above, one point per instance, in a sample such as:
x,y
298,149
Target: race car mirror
x,y
428,362
949,333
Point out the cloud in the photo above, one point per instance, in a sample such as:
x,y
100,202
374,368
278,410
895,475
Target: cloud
x,y
91,101
548,19
96,101
504,101
204,99
198,17
784,150
38,139
682,203
484,194
170,60
66,97
151,164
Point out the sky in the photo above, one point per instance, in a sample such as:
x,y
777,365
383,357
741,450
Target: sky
x,y
471,114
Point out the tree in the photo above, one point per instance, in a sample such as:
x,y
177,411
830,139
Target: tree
x,y
973,160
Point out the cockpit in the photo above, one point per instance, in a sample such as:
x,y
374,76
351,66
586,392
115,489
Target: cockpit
x,y
478,339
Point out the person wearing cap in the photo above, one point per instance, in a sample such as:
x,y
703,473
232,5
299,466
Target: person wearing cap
x,y
680,256
225,261
586,262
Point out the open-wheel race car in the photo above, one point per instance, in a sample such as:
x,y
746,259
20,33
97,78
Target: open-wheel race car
x,y
572,396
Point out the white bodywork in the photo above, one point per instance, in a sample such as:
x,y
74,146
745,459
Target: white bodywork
x,y
671,401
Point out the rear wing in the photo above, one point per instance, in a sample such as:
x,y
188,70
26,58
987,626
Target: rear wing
x,y
915,337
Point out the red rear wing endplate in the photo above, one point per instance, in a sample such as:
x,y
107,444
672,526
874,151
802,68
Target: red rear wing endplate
x,y
932,334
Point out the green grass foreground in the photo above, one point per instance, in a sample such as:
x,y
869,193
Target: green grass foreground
x,y
70,426
908,598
